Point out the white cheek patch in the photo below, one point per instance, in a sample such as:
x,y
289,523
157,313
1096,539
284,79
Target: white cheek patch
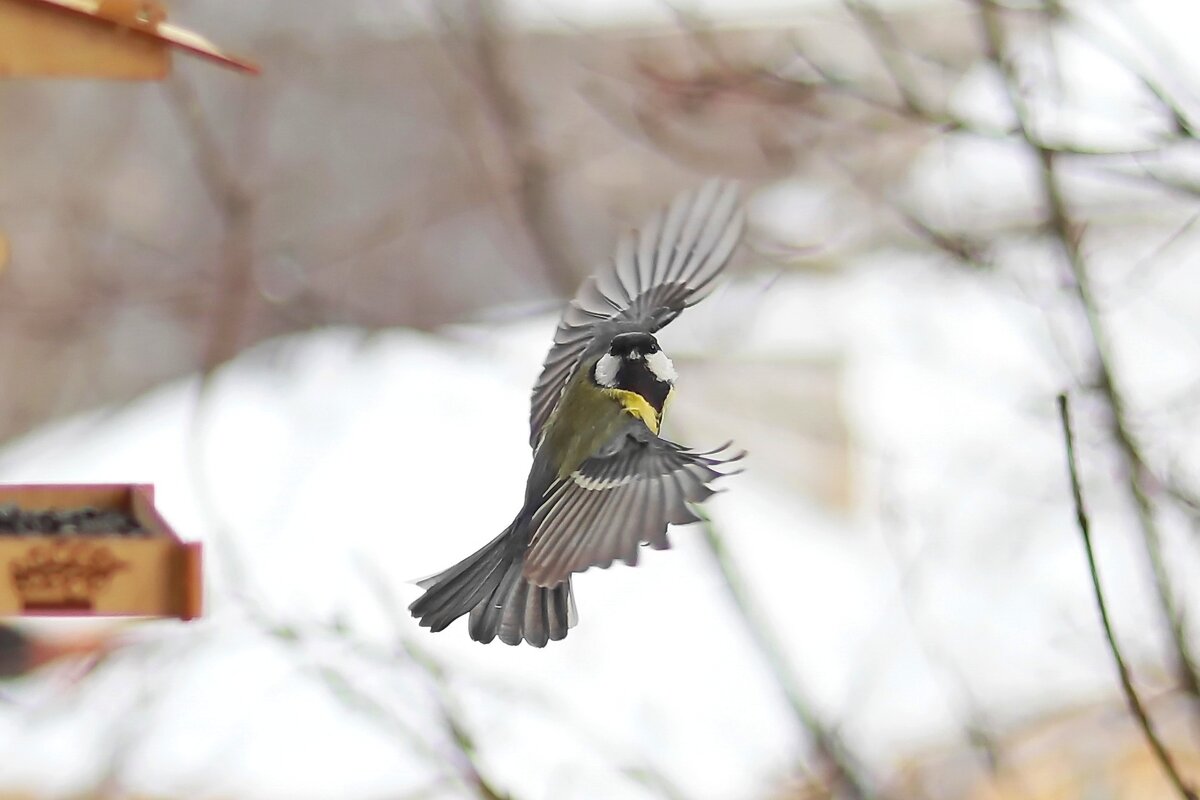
x,y
661,366
606,370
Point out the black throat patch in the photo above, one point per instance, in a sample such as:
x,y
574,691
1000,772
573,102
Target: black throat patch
x,y
635,376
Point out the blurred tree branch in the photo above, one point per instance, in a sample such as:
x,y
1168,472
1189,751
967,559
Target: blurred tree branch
x,y
1068,235
465,767
486,64
643,773
844,776
977,730
1135,704
234,289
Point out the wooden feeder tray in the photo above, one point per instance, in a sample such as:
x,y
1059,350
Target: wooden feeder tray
x,y
140,568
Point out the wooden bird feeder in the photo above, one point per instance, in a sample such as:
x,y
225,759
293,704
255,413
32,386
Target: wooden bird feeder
x,y
93,550
128,39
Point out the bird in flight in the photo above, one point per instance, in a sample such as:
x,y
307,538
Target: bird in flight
x,y
603,482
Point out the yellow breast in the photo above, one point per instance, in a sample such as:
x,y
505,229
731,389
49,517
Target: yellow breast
x,y
638,406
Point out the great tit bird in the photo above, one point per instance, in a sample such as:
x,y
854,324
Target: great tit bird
x,y
603,482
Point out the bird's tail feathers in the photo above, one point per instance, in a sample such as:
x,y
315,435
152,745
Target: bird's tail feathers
x,y
502,602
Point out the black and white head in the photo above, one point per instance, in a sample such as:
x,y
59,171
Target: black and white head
x,y
635,363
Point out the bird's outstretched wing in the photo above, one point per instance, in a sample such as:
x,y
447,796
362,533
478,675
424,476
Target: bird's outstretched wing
x,y
670,264
619,498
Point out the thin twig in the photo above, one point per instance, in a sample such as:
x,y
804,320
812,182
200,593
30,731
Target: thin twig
x,y
828,745
977,731
1135,703
490,70
462,760
644,772
234,288
885,43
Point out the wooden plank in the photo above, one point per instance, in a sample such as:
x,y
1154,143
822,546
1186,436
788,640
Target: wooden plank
x,y
141,505
144,18
37,40
189,581
86,575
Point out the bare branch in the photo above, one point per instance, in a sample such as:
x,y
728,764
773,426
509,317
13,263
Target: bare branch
x,y
1131,696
